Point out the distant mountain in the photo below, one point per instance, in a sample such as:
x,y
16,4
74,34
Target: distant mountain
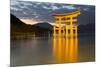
x,y
17,27
44,25
15,20
16,24
87,29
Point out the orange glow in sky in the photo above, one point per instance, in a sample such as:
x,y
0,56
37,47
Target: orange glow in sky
x,y
29,21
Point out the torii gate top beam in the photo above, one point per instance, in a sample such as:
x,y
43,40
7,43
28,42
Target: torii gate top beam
x,y
67,14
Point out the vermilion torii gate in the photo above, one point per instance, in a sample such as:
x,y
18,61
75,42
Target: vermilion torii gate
x,y
66,24
65,41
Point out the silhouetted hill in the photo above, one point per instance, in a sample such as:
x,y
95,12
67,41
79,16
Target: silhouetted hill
x,y
15,20
87,29
44,25
17,27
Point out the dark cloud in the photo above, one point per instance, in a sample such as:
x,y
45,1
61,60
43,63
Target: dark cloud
x,y
42,11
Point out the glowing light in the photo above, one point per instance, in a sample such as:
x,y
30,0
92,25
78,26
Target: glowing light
x,y
65,49
29,21
65,46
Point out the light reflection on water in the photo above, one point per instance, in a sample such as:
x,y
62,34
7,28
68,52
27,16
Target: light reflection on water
x,y
65,49
47,50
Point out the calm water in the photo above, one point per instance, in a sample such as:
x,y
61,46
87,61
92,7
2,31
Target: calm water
x,y
49,50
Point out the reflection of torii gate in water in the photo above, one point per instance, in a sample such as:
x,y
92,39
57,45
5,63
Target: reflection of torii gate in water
x,y
65,43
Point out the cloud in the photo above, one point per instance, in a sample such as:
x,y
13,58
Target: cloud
x,y
69,7
15,9
41,11
55,7
85,9
14,2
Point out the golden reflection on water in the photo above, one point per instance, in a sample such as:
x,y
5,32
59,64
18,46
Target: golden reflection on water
x,y
65,44
65,49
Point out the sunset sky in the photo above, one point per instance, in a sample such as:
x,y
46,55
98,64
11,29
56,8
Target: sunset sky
x,y
32,12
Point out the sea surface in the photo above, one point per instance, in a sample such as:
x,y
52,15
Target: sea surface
x,y
49,50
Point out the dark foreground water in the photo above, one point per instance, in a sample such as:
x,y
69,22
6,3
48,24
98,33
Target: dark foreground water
x,y
49,50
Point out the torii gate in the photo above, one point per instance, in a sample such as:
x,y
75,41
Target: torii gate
x,y
66,19
65,49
